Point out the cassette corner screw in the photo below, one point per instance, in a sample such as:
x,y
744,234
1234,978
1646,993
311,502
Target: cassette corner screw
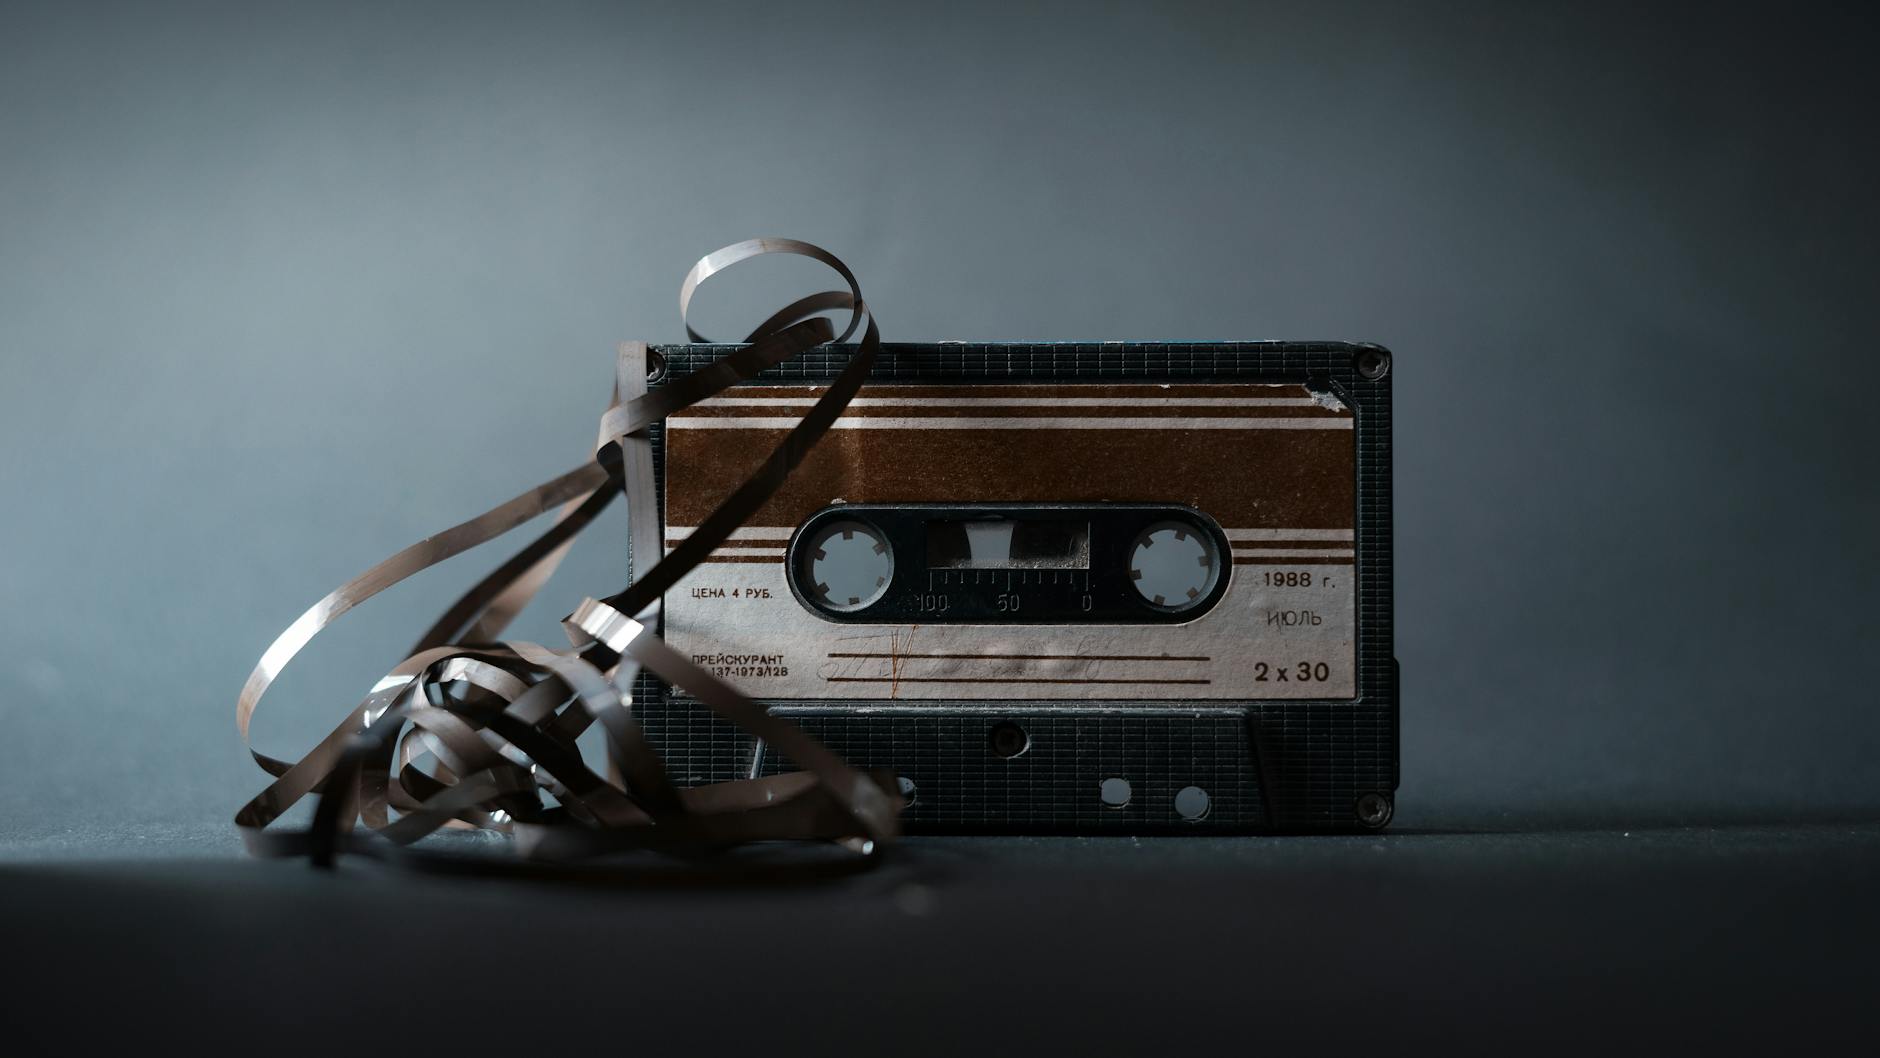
x,y
1371,364
1374,810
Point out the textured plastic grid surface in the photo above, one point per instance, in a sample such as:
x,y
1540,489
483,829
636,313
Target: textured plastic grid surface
x,y
1317,757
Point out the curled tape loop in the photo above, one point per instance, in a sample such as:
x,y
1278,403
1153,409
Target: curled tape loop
x,y
474,731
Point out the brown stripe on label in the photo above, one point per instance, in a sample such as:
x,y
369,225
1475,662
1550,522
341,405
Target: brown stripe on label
x,y
1073,389
1289,545
1279,479
1048,411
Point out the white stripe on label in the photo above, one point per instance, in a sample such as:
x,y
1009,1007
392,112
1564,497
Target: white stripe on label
x,y
1017,402
1290,534
939,422
748,532
760,552
1295,552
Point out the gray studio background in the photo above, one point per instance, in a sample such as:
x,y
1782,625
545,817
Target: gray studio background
x,y
285,289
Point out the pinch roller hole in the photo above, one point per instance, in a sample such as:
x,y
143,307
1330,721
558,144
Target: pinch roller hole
x,y
1008,740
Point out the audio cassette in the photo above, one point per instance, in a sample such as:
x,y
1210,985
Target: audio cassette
x,y
1057,588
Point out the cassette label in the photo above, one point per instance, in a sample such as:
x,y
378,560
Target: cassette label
x,y
1053,542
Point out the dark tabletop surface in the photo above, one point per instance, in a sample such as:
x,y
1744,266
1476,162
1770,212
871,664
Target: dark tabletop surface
x,y
1550,938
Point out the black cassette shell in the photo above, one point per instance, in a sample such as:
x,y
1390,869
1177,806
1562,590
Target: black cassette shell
x,y
1251,765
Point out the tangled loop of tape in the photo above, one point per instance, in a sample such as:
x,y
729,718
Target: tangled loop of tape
x,y
472,730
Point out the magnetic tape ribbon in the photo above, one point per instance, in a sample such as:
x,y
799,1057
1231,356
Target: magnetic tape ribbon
x,y
471,730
